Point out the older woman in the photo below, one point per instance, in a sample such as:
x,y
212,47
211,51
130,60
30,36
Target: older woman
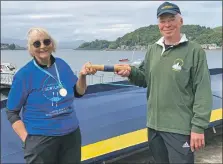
x,y
45,89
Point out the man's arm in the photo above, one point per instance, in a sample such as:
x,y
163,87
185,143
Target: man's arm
x,y
137,75
203,95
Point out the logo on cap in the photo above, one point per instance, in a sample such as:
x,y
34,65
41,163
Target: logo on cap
x,y
167,7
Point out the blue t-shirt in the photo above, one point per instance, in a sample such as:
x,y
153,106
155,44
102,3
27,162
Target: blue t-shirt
x,y
45,111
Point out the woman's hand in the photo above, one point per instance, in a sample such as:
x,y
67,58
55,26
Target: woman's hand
x,y
87,71
23,137
20,129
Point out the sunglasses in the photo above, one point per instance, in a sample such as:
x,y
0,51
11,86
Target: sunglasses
x,y
37,43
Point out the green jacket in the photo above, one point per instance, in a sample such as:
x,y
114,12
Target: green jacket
x,y
179,95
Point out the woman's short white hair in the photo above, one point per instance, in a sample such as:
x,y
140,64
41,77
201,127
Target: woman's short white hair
x,y
42,31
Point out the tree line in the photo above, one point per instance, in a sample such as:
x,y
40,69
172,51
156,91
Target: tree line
x,y
150,34
11,47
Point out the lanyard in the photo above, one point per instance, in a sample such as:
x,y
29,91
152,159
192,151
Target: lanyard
x,y
58,76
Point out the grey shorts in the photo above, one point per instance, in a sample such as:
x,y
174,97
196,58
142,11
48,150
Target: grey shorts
x,y
53,150
170,147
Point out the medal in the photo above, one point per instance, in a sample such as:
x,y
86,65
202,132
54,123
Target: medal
x,y
63,92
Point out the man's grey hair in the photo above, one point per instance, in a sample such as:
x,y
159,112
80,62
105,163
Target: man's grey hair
x,y
178,16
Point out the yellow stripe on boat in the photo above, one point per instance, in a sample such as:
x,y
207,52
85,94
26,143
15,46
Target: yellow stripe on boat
x,y
114,144
216,115
126,140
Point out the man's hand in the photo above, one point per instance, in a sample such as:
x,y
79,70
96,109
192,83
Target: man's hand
x,y
86,71
124,73
197,141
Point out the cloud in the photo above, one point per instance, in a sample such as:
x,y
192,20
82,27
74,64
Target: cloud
x,y
72,20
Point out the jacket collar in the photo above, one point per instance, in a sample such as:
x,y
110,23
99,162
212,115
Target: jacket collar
x,y
182,40
161,41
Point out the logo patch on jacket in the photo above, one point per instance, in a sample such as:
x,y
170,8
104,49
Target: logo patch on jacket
x,y
177,65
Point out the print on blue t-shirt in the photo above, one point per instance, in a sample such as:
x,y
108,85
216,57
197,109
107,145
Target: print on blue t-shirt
x,y
45,111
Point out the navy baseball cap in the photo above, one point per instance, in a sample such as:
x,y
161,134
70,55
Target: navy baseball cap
x,y
168,7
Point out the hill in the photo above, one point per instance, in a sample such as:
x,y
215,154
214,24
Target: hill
x,y
5,46
218,29
70,44
150,34
60,45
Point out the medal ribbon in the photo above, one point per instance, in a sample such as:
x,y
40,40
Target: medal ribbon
x,y
58,76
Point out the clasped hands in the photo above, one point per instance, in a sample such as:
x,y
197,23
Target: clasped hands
x,y
86,70
119,69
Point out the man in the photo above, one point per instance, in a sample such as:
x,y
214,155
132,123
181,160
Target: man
x,y
179,94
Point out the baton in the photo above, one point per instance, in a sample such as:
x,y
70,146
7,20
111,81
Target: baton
x,y
108,68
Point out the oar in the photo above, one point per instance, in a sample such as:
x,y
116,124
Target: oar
x,y
108,68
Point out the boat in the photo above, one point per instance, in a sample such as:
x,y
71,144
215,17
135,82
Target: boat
x,y
7,68
110,127
124,60
136,63
7,71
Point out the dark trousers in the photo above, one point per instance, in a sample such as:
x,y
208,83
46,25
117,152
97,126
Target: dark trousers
x,y
56,150
170,147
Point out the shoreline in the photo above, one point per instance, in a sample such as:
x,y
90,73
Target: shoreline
x,y
134,50
103,50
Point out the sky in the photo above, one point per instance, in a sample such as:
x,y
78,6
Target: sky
x,y
90,20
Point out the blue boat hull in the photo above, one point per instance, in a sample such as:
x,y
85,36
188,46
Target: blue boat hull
x,y
112,121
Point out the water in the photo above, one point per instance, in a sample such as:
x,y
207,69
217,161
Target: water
x,y
76,59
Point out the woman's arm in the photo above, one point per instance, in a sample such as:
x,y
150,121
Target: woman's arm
x,y
16,98
20,129
81,84
17,124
